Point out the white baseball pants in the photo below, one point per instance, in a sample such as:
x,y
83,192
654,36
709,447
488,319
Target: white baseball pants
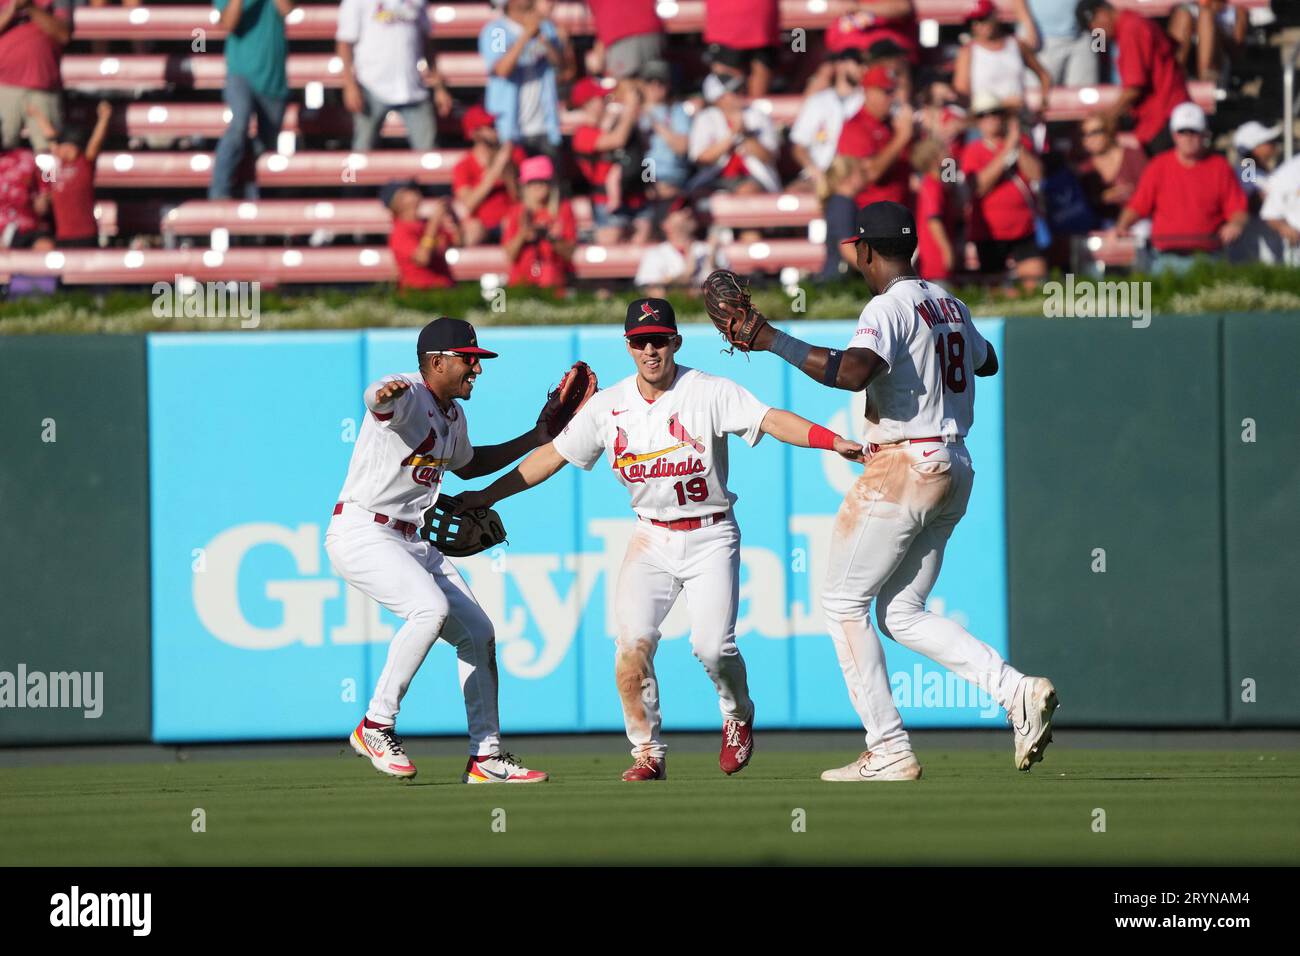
x,y
660,564
887,546
416,582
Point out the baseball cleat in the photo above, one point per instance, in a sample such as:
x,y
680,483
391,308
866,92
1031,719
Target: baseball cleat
x,y
1030,716
383,749
500,768
737,744
873,767
647,768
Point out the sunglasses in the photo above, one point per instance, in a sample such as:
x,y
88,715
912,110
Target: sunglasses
x,y
639,342
1094,132
467,359
1187,132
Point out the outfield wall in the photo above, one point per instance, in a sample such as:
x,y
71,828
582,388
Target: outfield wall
x,y
184,553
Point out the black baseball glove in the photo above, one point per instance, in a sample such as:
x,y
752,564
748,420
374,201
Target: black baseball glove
x,y
461,534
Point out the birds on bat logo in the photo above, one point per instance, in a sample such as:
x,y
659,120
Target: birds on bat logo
x,y
632,465
425,469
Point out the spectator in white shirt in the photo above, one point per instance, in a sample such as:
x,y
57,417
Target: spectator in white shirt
x,y
680,259
816,130
382,43
1281,209
734,145
994,62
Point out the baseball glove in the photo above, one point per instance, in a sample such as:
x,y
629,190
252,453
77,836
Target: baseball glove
x,y
578,385
460,534
726,299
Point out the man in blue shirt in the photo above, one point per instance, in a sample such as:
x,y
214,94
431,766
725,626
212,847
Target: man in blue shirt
x,y
256,84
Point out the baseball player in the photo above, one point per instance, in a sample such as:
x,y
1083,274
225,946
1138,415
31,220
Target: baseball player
x,y
413,432
915,351
663,432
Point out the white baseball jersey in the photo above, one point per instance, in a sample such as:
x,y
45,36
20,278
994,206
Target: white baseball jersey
x,y
403,449
671,454
932,348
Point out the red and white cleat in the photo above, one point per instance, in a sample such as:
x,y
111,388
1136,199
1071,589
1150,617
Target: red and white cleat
x,y
737,745
647,768
383,749
500,768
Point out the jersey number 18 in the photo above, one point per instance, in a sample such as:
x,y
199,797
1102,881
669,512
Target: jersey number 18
x,y
951,349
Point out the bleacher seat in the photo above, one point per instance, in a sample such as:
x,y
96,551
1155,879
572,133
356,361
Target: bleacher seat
x,y
466,20
334,169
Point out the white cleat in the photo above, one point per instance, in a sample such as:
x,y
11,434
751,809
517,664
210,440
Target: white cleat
x,y
1030,715
500,768
381,746
873,766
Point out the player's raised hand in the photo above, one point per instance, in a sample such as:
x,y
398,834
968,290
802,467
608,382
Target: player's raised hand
x,y
848,449
391,390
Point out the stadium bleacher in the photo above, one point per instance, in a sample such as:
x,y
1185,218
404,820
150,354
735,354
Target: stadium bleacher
x,y
168,111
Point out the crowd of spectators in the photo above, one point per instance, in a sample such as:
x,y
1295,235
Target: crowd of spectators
x,y
650,137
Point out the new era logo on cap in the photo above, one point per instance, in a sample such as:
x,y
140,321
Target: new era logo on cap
x,y
885,220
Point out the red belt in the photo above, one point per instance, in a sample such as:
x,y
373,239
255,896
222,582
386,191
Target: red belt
x,y
687,524
405,527
873,447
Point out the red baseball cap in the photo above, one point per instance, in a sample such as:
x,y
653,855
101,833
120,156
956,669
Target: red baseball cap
x,y
878,77
585,90
981,10
475,118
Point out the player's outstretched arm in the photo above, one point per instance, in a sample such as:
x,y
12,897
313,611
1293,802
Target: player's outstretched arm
x,y
490,458
533,470
849,370
796,430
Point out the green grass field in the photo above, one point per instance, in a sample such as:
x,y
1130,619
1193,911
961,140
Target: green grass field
x,y
1163,807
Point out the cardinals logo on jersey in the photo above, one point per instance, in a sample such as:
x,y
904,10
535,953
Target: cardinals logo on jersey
x,y
632,465
426,468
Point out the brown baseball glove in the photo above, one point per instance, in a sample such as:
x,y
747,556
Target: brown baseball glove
x,y
577,386
726,299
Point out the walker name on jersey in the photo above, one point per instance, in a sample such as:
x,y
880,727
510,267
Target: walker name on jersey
x,y
943,311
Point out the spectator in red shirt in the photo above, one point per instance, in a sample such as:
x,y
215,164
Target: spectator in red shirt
x,y
72,188
936,221
1001,170
881,146
629,35
606,128
33,34
419,248
539,233
24,201
483,182
743,34
1193,198
1148,70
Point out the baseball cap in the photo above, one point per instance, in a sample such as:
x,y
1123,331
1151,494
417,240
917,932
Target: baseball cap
x,y
585,90
981,10
879,78
475,118
1252,134
450,335
985,102
393,187
650,317
715,86
884,220
1187,116
656,70
536,168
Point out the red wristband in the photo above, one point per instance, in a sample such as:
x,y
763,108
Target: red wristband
x,y
819,437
